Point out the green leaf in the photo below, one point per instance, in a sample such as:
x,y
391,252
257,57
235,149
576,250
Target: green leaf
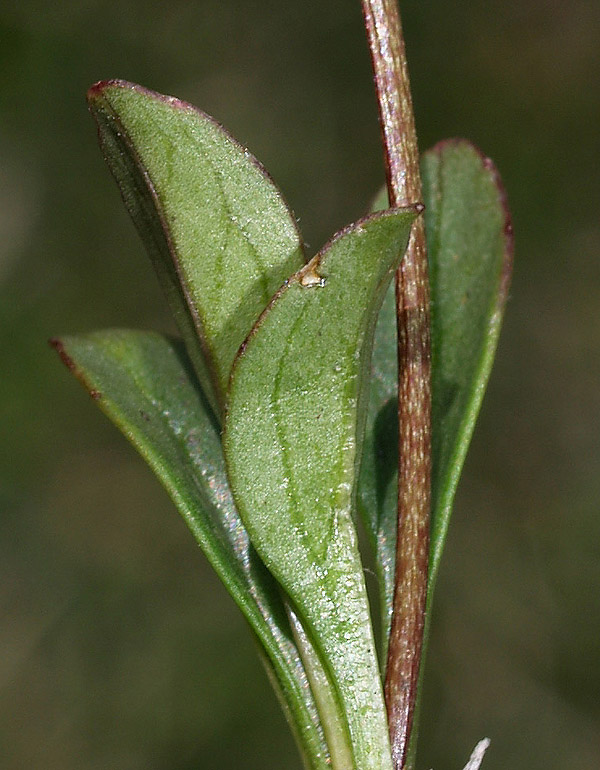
x,y
292,445
378,480
469,241
145,384
217,229
470,233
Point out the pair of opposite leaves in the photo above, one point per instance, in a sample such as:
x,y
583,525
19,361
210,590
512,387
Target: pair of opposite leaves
x,y
294,398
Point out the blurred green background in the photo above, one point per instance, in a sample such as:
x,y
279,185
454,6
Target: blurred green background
x,y
118,647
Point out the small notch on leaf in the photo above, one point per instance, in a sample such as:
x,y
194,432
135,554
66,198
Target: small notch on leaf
x,y
310,277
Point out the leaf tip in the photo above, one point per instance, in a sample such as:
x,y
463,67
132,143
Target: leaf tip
x,y
98,94
60,348
97,91
507,230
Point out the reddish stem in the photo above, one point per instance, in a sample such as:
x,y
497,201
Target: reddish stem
x,y
384,33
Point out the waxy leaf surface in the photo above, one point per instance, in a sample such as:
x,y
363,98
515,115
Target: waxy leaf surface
x,y
292,444
217,229
145,384
469,241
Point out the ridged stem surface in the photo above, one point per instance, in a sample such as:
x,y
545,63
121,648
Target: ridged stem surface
x,y
386,43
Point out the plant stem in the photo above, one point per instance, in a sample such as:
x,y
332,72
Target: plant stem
x,y
384,33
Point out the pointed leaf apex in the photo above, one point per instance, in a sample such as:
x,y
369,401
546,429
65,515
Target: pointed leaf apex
x,y
97,90
60,348
412,211
215,225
